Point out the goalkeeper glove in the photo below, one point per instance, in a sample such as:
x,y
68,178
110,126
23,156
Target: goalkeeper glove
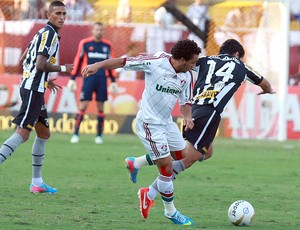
x,y
72,86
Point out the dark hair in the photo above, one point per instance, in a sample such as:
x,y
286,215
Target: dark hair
x,y
231,46
56,3
98,24
185,49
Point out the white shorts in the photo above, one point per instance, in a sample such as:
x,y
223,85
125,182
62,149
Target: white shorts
x,y
159,140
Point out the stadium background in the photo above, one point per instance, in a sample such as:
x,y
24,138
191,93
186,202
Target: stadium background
x,y
247,116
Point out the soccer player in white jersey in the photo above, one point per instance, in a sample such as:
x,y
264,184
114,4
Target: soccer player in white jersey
x,y
38,61
167,80
218,79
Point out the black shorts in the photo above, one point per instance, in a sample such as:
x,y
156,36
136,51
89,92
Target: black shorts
x,y
33,109
94,84
206,120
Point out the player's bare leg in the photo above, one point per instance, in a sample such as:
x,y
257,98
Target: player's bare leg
x,y
192,155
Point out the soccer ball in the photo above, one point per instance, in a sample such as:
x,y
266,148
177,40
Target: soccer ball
x,y
241,213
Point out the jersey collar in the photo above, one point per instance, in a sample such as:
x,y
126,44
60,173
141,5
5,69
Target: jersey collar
x,y
52,26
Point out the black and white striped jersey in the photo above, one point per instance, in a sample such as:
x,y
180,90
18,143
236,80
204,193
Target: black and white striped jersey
x,y
218,79
45,42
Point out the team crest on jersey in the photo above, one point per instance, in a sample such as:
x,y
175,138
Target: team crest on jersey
x,y
91,48
182,82
175,76
105,49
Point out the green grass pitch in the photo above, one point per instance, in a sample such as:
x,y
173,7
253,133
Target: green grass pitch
x,y
95,192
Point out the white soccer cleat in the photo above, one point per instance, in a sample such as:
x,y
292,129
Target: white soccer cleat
x,y
74,139
98,140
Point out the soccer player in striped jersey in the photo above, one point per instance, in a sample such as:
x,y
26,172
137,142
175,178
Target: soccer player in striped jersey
x,y
167,79
38,62
219,77
90,50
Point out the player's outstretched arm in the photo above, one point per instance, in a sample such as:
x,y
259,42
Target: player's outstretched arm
x,y
266,87
43,65
112,63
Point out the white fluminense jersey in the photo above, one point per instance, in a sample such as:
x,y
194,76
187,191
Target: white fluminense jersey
x,y
163,87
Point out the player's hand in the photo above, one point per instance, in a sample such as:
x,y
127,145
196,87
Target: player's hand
x,y
69,67
53,86
72,86
264,92
114,87
188,124
266,87
89,70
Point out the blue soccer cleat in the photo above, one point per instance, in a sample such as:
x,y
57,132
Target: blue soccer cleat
x,y
42,189
178,218
129,163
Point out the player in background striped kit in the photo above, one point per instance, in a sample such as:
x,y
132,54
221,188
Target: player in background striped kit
x,y
38,62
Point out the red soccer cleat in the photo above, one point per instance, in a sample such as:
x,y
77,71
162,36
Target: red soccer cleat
x,y
145,202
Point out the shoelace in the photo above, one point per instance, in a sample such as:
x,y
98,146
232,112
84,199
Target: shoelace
x,y
180,217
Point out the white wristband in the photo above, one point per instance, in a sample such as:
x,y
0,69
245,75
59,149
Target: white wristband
x,y
63,68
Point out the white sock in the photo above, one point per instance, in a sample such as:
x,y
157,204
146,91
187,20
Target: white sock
x,y
166,188
9,146
140,162
38,149
169,208
178,167
37,181
152,192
